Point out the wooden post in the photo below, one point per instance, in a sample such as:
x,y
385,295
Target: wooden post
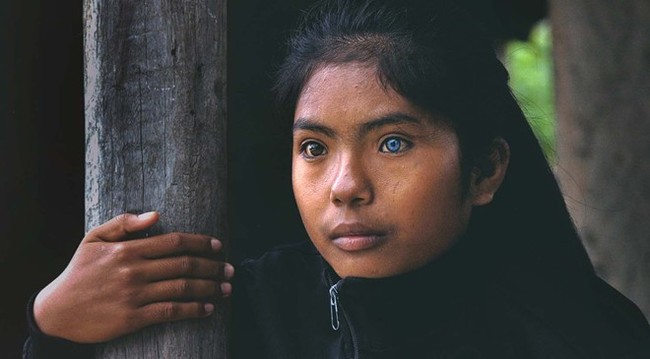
x,y
602,62
155,104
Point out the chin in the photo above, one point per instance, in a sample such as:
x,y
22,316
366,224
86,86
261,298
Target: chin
x,y
368,267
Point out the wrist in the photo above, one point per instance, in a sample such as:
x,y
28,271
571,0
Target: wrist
x,y
46,318
40,314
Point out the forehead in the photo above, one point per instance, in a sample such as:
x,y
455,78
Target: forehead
x,y
361,77
349,90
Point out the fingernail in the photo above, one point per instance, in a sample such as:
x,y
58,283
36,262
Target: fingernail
x,y
216,244
226,289
228,271
209,308
146,215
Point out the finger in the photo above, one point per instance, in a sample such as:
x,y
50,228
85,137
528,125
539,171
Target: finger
x,y
172,311
186,267
226,289
121,226
171,244
180,290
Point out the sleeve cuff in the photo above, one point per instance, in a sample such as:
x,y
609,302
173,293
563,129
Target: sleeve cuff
x,y
40,345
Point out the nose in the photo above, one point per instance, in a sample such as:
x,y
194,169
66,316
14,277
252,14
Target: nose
x,y
351,185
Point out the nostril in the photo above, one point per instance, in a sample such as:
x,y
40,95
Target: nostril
x,y
356,193
351,186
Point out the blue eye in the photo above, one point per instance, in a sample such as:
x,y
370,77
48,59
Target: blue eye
x,y
393,145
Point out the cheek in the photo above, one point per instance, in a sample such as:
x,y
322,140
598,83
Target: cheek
x,y
430,196
309,188
298,182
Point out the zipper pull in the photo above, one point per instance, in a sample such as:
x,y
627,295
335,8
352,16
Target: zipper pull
x,y
334,307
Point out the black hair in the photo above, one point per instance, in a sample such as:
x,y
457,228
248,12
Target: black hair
x,y
434,54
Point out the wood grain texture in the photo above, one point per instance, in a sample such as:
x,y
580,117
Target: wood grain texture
x,y
602,61
155,105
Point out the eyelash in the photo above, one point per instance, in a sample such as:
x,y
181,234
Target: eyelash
x,y
404,145
304,148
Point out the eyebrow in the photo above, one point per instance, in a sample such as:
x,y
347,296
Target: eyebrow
x,y
308,124
395,118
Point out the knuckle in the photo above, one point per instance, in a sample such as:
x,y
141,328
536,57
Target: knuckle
x,y
188,265
169,311
128,274
175,240
120,250
120,219
184,287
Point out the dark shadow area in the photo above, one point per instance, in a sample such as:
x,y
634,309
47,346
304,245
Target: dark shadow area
x,y
41,174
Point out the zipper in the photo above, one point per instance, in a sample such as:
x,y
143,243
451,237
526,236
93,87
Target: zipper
x,y
335,308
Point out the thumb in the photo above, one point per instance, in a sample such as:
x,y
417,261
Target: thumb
x,y
120,227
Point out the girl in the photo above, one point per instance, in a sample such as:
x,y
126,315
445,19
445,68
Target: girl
x,y
437,228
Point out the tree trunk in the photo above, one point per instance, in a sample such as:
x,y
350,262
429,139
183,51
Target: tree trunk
x,y
155,93
602,60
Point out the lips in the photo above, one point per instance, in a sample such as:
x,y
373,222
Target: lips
x,y
352,237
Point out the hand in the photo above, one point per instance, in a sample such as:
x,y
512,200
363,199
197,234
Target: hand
x,y
114,286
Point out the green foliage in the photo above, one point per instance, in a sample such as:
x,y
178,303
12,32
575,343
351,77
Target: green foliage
x,y
531,78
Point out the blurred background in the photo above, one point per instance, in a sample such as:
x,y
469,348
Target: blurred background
x,y
595,134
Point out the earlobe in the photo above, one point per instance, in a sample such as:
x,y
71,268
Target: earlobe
x,y
487,178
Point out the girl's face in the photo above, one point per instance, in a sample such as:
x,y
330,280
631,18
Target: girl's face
x,y
377,180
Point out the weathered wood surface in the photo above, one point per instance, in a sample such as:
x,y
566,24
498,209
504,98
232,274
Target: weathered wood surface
x,y
602,60
155,97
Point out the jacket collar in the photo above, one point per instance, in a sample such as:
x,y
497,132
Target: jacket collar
x,y
387,312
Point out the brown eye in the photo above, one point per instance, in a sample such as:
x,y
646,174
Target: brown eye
x,y
312,149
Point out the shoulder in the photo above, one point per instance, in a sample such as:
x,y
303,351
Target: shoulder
x,y
587,317
620,307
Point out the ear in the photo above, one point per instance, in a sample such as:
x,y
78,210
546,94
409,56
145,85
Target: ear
x,y
489,172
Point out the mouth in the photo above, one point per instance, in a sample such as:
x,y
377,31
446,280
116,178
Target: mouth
x,y
353,237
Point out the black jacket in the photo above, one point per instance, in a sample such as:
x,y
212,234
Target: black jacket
x,y
290,304
452,308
